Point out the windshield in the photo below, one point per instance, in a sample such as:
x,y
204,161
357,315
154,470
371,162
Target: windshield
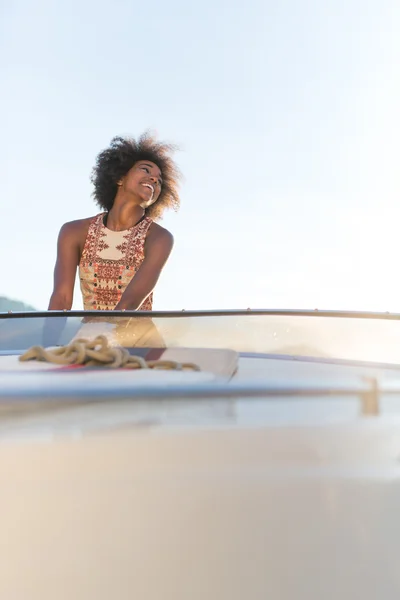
x,y
325,336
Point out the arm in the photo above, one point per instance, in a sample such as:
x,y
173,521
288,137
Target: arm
x,y
158,247
65,268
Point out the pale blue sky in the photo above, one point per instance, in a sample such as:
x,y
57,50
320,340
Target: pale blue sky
x,y
287,114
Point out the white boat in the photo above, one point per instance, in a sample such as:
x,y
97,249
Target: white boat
x,y
273,472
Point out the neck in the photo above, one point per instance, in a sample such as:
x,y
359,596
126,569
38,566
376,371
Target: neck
x,y
123,215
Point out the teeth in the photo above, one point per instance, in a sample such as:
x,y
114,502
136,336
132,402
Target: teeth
x,y
149,186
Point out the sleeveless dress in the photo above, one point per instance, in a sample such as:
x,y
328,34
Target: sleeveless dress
x,y
109,261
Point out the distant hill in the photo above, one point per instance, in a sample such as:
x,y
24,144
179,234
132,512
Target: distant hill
x,y
7,304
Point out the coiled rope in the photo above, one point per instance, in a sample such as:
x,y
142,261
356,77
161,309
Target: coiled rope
x,y
98,353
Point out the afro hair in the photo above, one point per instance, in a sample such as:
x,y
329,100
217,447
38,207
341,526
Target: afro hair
x,y
115,161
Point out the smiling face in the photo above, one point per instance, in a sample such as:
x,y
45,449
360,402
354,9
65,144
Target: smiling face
x,y
144,181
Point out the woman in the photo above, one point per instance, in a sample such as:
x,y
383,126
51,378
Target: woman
x,y
121,251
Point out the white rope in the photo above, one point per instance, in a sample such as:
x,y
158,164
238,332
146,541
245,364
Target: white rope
x,y
98,353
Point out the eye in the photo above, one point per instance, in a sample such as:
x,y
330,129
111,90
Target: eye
x,y
145,169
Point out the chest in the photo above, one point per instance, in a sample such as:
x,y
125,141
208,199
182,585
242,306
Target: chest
x,y
121,251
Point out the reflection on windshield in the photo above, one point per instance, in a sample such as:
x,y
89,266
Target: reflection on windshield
x,y
121,331
375,340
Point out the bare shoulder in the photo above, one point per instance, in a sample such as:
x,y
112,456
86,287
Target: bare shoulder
x,y
79,225
159,242
160,234
75,232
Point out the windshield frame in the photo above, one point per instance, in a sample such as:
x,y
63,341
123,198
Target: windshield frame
x,y
343,314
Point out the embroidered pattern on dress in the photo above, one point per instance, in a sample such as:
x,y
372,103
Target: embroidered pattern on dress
x,y
109,262
94,242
